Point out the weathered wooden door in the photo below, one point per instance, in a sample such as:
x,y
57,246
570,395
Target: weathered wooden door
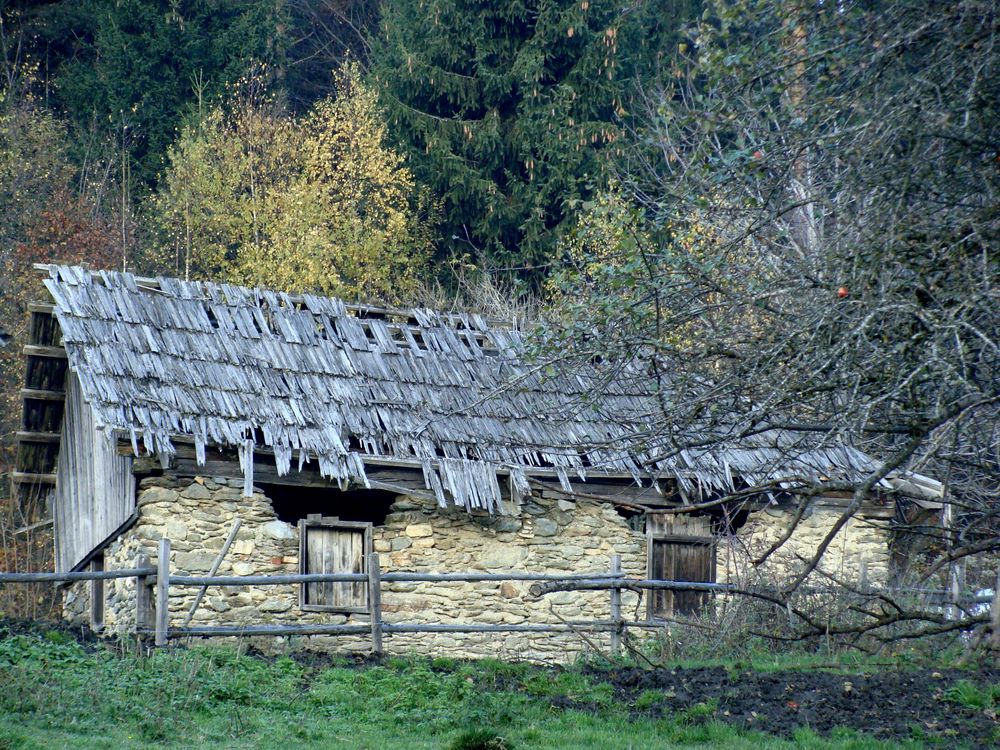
x,y
329,546
680,549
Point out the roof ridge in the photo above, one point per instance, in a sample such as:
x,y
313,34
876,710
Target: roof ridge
x,y
457,320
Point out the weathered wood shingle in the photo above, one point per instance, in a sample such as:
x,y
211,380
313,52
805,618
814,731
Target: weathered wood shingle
x,y
158,359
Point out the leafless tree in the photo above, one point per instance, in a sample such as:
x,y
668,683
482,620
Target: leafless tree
x,y
324,35
806,245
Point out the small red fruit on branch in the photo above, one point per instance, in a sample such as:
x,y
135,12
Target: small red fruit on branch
x,y
842,292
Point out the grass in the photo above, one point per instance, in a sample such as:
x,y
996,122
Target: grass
x,y
972,695
56,693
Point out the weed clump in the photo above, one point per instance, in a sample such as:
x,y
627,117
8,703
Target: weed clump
x,y
479,739
969,694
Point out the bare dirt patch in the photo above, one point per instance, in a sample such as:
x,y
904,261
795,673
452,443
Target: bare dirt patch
x,y
890,704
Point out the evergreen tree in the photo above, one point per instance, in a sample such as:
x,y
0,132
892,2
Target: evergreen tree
x,y
137,67
509,110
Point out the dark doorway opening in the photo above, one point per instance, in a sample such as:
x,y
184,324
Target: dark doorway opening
x,y
292,503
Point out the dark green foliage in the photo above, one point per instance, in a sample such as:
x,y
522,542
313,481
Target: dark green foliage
x,y
324,35
511,110
479,739
971,695
135,67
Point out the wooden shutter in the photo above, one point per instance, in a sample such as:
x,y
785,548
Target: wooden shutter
x,y
681,548
332,546
692,562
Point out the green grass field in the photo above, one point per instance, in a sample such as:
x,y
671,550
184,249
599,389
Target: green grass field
x,y
56,693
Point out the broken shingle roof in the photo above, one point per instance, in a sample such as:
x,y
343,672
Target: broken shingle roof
x,y
310,378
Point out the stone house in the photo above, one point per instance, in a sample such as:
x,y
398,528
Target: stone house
x,y
160,408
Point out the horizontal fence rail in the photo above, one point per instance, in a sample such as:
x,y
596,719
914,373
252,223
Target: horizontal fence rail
x,y
72,577
153,586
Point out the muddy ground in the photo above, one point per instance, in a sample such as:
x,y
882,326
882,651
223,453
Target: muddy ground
x,y
889,704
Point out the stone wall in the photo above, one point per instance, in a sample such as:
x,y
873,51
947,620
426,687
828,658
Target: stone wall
x,y
862,542
540,535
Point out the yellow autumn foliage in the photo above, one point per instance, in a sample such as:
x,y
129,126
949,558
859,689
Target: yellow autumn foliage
x,y
319,203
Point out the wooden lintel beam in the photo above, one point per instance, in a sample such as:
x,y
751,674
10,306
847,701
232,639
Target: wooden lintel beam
x,y
41,307
42,395
34,350
37,437
26,477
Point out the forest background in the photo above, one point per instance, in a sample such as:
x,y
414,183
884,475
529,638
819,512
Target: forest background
x,y
785,212
336,146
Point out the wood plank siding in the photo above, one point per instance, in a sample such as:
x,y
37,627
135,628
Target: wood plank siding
x,y
95,489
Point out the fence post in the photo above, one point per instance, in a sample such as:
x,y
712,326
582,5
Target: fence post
x,y
375,602
616,607
162,593
995,616
143,602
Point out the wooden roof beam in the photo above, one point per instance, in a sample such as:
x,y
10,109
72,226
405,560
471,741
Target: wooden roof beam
x,y
37,437
42,395
26,477
54,352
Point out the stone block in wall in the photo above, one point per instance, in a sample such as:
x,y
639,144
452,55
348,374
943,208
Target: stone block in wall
x,y
196,491
279,530
545,527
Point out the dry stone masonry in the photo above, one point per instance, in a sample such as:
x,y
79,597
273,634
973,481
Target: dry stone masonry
x,y
860,549
545,536
540,535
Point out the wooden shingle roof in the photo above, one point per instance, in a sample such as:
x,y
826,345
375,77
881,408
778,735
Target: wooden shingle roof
x,y
316,380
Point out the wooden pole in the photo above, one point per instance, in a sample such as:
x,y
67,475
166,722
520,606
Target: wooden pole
x,y
571,626
81,575
375,602
162,593
995,617
616,608
470,577
142,598
599,584
213,570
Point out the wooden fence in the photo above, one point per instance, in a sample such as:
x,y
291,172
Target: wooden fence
x,y
153,584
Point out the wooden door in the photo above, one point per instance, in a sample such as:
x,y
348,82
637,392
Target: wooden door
x,y
681,548
333,548
661,567
692,562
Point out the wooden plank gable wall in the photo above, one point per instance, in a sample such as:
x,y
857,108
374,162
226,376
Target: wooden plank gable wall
x,y
95,488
